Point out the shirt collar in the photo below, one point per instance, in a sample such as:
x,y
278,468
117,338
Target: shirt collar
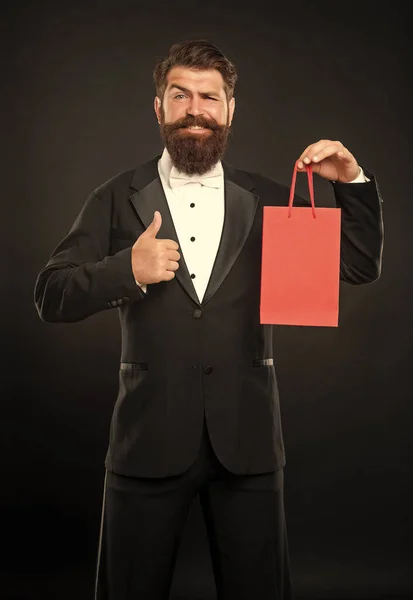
x,y
165,166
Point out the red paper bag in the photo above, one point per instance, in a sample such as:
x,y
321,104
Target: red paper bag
x,y
300,271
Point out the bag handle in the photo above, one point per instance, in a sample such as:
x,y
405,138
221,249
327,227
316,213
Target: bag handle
x,y
310,188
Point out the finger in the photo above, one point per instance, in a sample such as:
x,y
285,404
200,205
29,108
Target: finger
x,y
172,265
173,255
301,166
155,226
325,152
314,151
168,275
170,245
345,155
305,152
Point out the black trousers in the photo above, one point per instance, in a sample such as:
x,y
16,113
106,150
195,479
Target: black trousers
x,y
143,520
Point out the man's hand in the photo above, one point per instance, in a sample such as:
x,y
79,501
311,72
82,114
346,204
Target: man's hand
x,y
154,260
330,160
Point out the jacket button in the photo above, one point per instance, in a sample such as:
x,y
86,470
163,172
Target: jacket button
x,y
197,313
208,370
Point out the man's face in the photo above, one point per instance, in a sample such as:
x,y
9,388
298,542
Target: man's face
x,y
194,118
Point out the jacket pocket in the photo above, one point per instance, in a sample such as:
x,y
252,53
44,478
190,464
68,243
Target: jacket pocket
x,y
133,366
262,362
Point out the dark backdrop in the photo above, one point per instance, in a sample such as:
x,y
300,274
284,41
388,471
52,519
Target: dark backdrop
x,y
77,109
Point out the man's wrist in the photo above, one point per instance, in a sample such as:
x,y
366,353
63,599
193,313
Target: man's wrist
x,y
361,177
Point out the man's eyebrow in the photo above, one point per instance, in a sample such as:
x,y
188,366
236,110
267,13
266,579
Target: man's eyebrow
x,y
183,89
179,87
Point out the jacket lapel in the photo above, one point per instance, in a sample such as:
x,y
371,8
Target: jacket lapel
x,y
149,197
240,208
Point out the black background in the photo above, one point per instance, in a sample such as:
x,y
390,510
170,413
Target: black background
x,y
77,109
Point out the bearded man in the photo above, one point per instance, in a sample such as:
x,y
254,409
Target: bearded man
x,y
175,245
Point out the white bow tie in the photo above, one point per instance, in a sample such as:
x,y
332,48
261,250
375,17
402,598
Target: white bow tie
x,y
212,179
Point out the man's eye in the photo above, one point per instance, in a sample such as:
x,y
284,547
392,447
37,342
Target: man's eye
x,y
179,96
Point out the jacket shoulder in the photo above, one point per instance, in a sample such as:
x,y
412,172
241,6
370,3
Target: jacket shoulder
x,y
270,190
263,182
117,183
123,182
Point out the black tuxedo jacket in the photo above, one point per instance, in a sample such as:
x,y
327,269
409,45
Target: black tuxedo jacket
x,y
181,358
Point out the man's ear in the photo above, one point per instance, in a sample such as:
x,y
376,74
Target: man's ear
x,y
157,107
231,110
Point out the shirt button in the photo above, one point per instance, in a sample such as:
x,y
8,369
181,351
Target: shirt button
x,y
193,275
192,239
197,313
208,370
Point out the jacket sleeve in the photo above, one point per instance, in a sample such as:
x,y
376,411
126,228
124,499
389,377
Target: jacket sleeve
x,y
82,277
361,230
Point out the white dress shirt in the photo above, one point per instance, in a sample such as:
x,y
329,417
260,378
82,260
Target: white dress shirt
x,y
198,215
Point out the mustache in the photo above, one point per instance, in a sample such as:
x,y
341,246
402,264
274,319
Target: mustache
x,y
191,121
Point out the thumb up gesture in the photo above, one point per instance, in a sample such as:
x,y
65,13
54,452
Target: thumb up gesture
x,y
154,260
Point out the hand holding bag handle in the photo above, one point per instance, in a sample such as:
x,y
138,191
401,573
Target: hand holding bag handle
x,y
300,268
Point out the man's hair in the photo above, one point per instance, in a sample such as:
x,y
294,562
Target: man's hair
x,y
195,54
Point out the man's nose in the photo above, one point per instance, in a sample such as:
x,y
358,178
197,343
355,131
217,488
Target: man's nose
x,y
194,107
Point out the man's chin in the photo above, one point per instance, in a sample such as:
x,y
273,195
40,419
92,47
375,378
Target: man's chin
x,y
195,151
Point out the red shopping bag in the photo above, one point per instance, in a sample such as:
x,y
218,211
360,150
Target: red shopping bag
x,y
300,271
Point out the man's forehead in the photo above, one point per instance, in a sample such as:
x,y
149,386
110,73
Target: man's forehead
x,y
192,78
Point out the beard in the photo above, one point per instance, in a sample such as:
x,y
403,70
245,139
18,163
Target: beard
x,y
194,153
